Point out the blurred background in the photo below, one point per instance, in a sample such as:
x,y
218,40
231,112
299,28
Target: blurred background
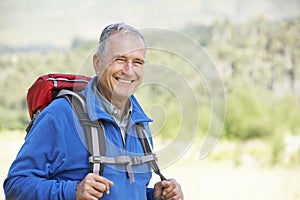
x,y
255,46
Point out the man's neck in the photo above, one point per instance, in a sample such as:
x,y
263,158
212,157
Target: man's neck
x,y
119,103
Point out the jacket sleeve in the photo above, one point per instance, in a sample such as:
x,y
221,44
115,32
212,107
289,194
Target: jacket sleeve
x,y
41,157
150,193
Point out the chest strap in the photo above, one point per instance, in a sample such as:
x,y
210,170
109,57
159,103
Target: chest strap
x,y
124,160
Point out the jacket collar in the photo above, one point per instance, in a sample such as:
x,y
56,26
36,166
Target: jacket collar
x,y
96,113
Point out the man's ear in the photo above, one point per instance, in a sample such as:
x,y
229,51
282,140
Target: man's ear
x,y
96,64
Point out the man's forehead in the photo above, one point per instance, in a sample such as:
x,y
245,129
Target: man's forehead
x,y
126,37
125,43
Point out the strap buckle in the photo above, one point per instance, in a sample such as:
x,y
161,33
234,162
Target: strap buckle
x,y
136,160
95,159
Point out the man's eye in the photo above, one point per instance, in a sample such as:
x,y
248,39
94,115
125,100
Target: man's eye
x,y
138,63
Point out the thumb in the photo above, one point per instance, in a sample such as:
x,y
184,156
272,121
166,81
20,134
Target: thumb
x,y
158,189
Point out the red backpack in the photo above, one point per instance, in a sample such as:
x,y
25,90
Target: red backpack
x,y
46,88
52,86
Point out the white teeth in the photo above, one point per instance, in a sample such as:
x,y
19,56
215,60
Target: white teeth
x,y
124,81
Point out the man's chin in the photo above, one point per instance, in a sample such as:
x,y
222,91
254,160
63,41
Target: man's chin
x,y
121,95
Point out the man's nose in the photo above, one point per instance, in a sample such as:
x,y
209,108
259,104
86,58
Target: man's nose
x,y
128,67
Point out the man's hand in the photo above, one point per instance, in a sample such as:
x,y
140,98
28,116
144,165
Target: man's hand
x,y
168,190
92,187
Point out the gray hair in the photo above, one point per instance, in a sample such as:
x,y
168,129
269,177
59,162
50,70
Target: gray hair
x,y
115,28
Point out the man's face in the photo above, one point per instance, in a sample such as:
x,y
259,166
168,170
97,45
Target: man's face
x,y
120,68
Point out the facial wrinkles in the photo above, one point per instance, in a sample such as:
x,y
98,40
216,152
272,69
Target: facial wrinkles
x,y
128,71
130,49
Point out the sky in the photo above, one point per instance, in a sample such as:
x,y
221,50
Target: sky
x,y
56,22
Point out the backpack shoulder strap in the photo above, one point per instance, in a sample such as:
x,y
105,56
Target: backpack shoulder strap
x,y
143,136
96,141
93,130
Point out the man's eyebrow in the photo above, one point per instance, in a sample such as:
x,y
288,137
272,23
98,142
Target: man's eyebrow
x,y
140,60
118,56
123,56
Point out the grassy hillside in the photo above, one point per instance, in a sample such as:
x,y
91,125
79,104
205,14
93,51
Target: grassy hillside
x,y
257,61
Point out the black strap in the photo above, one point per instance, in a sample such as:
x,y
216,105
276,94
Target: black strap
x,y
142,133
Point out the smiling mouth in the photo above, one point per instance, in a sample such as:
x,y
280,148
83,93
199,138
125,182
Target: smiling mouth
x,y
123,80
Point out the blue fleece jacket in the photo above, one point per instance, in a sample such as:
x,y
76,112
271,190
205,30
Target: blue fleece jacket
x,y
53,158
